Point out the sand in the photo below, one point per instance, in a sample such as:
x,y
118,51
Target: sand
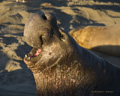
x,y
15,78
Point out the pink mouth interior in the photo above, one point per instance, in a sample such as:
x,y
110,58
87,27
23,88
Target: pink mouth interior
x,y
38,52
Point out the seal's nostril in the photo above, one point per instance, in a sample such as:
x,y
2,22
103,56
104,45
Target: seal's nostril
x,y
44,17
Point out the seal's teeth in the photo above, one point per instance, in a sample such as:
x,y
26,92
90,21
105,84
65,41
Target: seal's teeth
x,y
26,56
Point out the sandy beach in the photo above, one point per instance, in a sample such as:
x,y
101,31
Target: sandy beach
x,y
15,78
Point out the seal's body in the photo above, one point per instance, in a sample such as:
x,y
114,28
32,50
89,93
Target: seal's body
x,y
104,39
63,68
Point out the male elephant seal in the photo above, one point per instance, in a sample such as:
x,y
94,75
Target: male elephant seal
x,y
105,39
61,67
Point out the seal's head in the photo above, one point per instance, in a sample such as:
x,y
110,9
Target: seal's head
x,y
50,46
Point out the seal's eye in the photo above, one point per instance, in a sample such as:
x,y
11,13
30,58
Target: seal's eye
x,y
44,17
62,37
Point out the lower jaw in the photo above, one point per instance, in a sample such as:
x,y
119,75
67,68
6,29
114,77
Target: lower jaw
x,y
28,63
31,66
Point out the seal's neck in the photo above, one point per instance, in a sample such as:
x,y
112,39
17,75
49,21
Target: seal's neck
x,y
65,80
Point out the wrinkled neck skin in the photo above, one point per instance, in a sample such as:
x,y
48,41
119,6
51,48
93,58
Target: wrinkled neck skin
x,y
65,80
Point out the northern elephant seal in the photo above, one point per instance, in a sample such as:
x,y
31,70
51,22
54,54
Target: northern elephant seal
x,y
63,68
105,39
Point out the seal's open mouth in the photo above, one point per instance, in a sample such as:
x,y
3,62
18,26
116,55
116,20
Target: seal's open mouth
x,y
32,57
37,52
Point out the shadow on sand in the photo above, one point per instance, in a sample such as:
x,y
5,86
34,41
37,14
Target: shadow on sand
x,y
108,49
9,81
